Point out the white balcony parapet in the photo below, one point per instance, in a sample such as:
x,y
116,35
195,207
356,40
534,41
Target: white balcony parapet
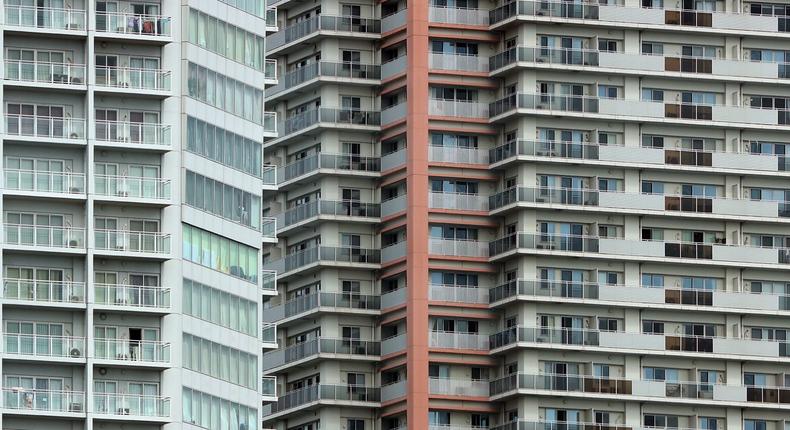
x,y
132,24
133,351
457,62
131,405
44,346
132,241
51,18
135,296
21,399
44,236
45,72
45,181
456,154
132,187
132,132
133,78
43,291
51,127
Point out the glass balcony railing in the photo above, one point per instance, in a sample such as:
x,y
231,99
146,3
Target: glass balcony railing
x,y
313,301
21,399
269,227
349,24
138,351
312,163
325,254
45,181
303,120
132,78
131,405
132,132
324,69
559,425
458,340
137,296
315,393
269,280
269,386
269,333
36,345
43,291
300,351
269,174
52,18
132,241
45,126
44,236
327,207
132,187
45,73
132,24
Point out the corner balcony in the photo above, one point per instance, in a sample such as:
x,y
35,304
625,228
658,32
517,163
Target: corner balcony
x,y
131,298
38,292
269,336
132,80
447,387
45,129
36,347
31,74
392,391
123,243
538,290
269,177
342,211
457,63
637,156
458,202
138,353
458,109
131,189
394,21
325,256
393,160
133,135
322,302
317,27
616,14
451,340
321,348
48,184
270,73
458,16
40,238
638,111
675,345
269,388
269,282
33,402
395,205
314,396
316,120
394,344
458,294
309,168
126,407
271,20
132,26
393,252
458,155
457,248
67,21
269,229
308,77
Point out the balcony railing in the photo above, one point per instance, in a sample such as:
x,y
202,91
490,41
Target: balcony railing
x,y
268,280
269,386
458,294
316,393
36,345
458,108
312,117
45,181
269,174
132,187
43,291
131,405
458,340
458,15
456,154
311,163
132,241
315,208
44,236
133,78
559,425
458,387
269,227
52,18
132,24
322,23
137,296
464,63
299,351
458,201
270,123
44,72
22,399
457,247
328,254
45,126
313,301
133,132
269,333
136,351
324,69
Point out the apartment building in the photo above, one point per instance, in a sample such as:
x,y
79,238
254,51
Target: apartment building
x,y
529,215
132,226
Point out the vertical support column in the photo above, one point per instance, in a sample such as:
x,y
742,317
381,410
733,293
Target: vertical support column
x,y
416,214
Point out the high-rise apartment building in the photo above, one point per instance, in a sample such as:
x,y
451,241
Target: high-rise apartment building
x,y
531,215
133,175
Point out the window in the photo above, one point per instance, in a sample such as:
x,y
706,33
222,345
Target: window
x,y
207,411
649,94
652,187
224,147
652,280
226,94
652,48
607,45
652,327
608,91
755,424
223,200
650,141
661,421
607,324
355,424
219,253
235,313
220,361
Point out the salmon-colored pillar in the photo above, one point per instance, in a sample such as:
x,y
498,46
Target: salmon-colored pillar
x,y
417,214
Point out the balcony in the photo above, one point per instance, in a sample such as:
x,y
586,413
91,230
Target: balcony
x,y
44,348
392,160
269,335
270,72
269,177
395,390
132,298
323,302
271,20
339,395
270,125
558,425
457,155
128,406
44,183
132,134
394,251
122,242
132,352
457,248
131,188
345,73
391,68
334,256
458,294
45,238
335,349
458,109
333,164
394,21
327,209
393,298
269,282
458,201
638,295
334,26
458,387
32,18
458,16
457,62
29,401
269,229
131,25
33,73
43,292
393,206
617,155
394,114
458,340
132,80
34,128
394,344
307,121
269,388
